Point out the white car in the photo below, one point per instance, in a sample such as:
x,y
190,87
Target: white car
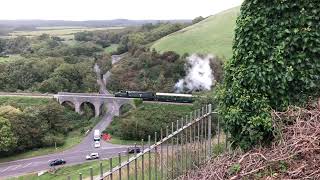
x,y
97,144
92,156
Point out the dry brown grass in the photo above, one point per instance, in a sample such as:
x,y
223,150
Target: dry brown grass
x,y
295,155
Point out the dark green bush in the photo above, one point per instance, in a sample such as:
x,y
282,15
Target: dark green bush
x,y
275,63
137,102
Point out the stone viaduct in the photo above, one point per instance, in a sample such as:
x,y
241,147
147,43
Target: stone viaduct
x,y
97,101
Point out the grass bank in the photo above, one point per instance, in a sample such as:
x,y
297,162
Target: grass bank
x,y
213,35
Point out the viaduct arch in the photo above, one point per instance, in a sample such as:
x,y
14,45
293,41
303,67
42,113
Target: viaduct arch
x,y
97,100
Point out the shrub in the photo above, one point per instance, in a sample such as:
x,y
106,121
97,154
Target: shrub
x,y
275,63
137,102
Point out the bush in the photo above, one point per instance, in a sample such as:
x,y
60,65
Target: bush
x,y
275,63
137,102
145,120
50,140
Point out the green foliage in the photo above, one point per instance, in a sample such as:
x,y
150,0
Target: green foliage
x,y
70,77
147,71
41,123
2,45
146,34
234,169
125,108
137,102
145,120
7,138
17,45
275,63
197,19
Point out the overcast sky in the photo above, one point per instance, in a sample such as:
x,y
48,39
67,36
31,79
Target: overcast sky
x,y
111,9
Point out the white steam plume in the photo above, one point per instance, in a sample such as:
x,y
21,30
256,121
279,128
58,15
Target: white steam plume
x,y
199,75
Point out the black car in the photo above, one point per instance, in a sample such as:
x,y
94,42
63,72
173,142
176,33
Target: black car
x,y
57,162
134,149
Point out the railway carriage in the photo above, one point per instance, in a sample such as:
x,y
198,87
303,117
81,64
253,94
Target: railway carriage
x,y
150,96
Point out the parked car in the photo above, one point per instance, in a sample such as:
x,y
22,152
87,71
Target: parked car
x,y
92,156
97,144
57,162
133,149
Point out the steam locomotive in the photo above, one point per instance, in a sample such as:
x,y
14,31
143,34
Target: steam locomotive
x,y
150,96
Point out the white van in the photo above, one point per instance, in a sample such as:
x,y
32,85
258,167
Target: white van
x,y
96,135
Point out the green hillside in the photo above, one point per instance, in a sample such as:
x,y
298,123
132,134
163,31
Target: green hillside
x,y
212,35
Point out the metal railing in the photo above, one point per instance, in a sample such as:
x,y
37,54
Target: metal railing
x,y
192,141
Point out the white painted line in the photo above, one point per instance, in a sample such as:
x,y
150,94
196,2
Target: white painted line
x,y
16,167
6,169
27,165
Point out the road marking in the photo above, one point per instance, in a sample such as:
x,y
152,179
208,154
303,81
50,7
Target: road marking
x,y
16,167
6,169
27,165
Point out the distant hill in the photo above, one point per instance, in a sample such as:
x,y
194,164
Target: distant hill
x,y
91,23
213,35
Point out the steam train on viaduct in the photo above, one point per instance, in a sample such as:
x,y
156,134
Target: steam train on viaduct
x,y
151,96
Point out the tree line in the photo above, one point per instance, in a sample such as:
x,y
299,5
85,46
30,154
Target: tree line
x,y
36,126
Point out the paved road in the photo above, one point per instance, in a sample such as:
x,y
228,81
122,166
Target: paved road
x,y
74,155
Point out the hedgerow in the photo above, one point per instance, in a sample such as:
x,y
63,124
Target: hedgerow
x,y
275,63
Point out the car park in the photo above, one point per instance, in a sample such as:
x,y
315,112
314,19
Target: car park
x,y
92,156
57,162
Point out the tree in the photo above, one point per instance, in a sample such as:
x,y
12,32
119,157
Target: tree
x,y
7,138
197,19
2,45
275,63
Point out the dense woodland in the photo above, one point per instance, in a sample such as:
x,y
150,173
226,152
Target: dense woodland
x,y
48,64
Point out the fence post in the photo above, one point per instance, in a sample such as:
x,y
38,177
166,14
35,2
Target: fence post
x,y
161,154
149,141
68,178
172,153
120,175
128,168
135,162
101,170
167,158
142,159
177,147
80,176
110,163
128,164
209,130
206,119
155,156
91,173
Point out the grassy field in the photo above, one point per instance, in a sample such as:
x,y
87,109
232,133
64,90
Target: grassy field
x,y
63,32
213,35
111,48
22,102
10,58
